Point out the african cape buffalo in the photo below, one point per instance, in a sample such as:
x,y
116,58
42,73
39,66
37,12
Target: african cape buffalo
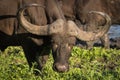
x,y
77,10
43,26
63,35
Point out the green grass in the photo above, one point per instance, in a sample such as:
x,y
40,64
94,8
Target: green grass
x,y
95,64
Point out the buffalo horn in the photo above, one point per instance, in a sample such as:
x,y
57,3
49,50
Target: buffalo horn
x,y
89,36
58,27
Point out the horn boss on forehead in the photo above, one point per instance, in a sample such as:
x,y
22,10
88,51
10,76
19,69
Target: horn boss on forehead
x,y
58,27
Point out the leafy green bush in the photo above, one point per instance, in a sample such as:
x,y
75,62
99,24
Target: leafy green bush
x,y
95,64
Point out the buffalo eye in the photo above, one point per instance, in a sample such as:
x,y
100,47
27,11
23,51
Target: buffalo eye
x,y
55,45
68,46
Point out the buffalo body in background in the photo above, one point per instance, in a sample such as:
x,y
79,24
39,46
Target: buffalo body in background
x,y
77,10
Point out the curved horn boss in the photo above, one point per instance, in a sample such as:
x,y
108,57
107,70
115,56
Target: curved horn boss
x,y
58,26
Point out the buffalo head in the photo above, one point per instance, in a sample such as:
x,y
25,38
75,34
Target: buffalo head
x,y
63,36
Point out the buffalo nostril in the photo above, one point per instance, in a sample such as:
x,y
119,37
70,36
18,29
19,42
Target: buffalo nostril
x,y
61,68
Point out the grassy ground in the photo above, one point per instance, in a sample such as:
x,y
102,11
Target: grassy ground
x,y
96,64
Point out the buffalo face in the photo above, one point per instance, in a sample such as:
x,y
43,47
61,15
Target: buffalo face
x,y
61,49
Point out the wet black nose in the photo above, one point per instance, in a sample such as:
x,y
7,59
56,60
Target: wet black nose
x,y
61,68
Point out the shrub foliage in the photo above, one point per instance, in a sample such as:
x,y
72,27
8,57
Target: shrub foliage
x,y
95,64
